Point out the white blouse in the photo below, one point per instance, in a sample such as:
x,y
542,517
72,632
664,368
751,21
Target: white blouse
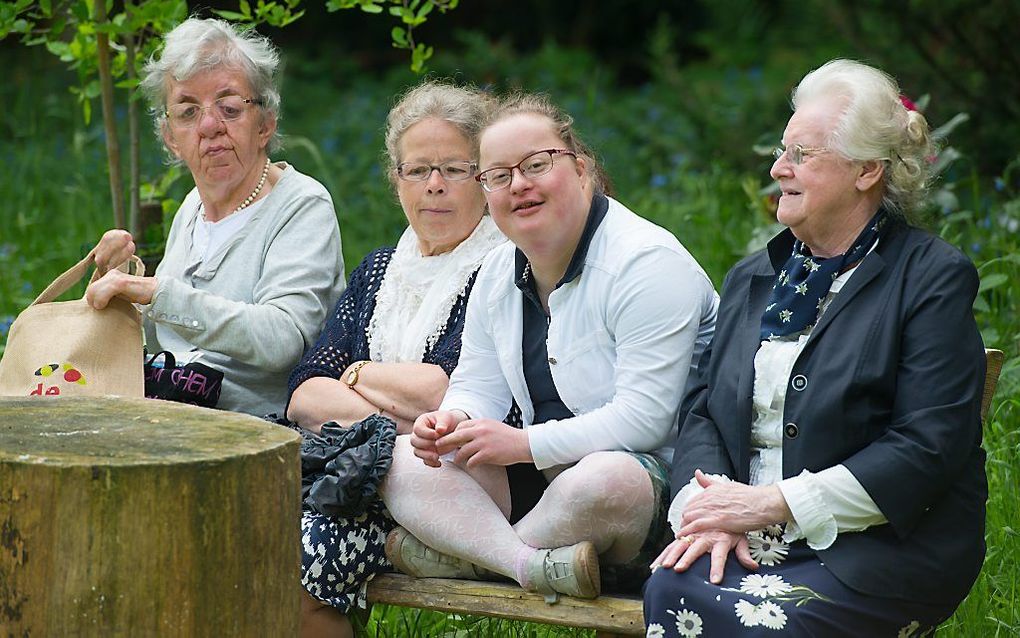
x,y
823,503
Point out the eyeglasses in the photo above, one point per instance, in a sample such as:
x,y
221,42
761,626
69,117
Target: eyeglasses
x,y
454,170
226,109
534,165
797,153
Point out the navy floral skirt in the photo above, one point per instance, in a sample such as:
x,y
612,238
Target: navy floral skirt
x,y
340,555
791,594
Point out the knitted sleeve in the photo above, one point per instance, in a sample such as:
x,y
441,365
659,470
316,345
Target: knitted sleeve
x,y
343,338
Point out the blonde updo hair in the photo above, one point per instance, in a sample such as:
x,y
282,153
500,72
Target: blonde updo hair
x,y
465,108
875,125
540,104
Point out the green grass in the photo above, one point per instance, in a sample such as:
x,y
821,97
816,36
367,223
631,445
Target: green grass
x,y
55,204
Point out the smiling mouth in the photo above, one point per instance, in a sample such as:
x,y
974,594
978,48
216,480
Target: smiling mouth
x,y
526,205
437,211
789,192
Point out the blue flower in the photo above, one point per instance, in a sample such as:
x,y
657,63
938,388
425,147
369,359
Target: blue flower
x,y
658,181
1000,184
6,250
5,325
26,287
975,248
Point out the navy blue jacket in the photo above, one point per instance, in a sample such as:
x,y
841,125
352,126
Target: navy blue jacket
x,y
889,384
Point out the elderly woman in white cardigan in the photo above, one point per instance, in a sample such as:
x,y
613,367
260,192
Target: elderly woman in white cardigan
x,y
252,261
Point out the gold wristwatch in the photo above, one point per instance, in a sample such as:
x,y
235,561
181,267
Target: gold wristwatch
x,y
352,377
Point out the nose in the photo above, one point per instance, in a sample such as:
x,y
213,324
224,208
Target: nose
x,y
782,167
435,182
518,180
209,124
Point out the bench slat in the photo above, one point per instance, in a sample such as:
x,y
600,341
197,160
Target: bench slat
x,y
606,613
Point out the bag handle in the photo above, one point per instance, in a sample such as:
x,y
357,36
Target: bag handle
x,y
75,273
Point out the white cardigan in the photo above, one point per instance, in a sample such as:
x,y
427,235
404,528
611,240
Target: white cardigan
x,y
622,338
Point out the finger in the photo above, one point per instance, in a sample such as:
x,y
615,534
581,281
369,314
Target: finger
x,y
428,458
703,480
696,526
450,442
720,550
98,295
422,444
676,549
466,453
668,556
743,553
694,552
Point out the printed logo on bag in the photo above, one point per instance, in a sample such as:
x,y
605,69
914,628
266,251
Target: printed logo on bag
x,y
53,373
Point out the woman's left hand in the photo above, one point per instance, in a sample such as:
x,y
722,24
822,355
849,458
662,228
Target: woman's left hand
x,y
732,507
687,548
486,441
118,284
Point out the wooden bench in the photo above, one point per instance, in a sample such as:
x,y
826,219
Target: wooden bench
x,y
608,615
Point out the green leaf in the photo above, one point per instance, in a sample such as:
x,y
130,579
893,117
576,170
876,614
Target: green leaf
x,y
229,15
399,36
245,8
371,7
993,280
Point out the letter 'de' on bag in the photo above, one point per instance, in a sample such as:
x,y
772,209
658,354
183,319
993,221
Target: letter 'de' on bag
x,y
68,348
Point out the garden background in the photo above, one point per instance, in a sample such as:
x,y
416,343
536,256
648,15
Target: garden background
x,y
680,99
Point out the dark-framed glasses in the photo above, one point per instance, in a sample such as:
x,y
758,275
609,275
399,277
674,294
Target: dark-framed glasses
x,y
797,153
226,109
535,165
454,170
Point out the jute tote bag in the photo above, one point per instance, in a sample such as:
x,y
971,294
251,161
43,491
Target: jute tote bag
x,y
68,348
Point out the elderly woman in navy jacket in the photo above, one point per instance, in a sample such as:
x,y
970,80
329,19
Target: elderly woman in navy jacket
x,y
829,471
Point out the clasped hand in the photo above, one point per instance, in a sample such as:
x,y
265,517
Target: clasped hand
x,y
716,521
476,441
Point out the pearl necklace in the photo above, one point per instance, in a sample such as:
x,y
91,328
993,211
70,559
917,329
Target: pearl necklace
x,y
251,198
258,188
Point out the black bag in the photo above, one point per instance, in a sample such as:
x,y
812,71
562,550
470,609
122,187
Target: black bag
x,y
341,468
193,383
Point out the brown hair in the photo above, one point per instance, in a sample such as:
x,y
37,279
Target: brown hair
x,y
540,104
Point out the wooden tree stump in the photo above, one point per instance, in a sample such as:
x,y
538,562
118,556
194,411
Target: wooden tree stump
x,y
132,517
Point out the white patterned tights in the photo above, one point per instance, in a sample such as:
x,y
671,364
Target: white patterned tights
x,y
606,498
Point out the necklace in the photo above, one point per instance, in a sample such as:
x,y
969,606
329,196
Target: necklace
x,y
258,188
251,198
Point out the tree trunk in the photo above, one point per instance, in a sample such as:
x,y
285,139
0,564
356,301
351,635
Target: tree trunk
x,y
109,123
134,517
134,154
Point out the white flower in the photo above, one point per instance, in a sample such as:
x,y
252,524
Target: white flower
x,y
747,613
908,631
785,315
688,624
810,265
764,585
655,630
766,550
771,615
802,288
775,530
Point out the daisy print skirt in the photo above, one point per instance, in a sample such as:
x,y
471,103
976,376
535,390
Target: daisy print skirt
x,y
791,594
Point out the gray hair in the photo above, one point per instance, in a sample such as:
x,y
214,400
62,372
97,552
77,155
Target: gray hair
x,y
875,125
562,122
198,45
466,108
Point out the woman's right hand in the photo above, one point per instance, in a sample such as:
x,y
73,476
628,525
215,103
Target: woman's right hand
x,y
115,247
428,428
